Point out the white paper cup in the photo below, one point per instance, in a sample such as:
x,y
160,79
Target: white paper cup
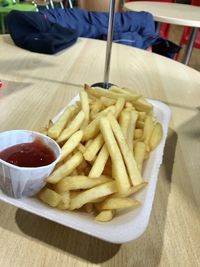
x,y
24,181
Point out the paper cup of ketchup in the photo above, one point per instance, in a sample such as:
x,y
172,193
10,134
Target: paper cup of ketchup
x,y
26,159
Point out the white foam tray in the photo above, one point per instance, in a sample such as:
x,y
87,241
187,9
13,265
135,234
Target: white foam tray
x,y
127,225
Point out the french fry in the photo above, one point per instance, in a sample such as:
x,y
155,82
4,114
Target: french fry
x,y
141,116
65,201
92,194
119,106
98,92
57,128
65,169
114,203
124,121
93,148
139,154
99,163
147,130
95,109
93,128
105,216
132,190
156,136
81,148
107,101
72,127
71,144
105,138
138,134
79,182
141,104
129,160
85,107
133,119
124,91
50,197
121,176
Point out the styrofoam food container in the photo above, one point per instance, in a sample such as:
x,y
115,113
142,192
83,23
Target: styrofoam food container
x,y
127,225
24,181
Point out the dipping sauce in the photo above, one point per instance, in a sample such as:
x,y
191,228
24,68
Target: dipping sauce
x,y
35,154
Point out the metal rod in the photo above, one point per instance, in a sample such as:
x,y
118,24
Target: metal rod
x,y
190,45
109,42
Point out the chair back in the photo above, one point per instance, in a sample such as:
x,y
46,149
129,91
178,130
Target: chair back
x,y
195,2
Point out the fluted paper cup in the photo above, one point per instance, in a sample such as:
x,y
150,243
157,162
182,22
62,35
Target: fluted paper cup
x,y
24,181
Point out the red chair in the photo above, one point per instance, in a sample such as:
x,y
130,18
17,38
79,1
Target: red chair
x,y
186,31
165,28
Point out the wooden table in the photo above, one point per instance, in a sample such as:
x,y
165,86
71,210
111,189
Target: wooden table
x,y
37,86
178,14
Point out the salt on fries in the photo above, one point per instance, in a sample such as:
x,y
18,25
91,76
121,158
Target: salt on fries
x,y
105,139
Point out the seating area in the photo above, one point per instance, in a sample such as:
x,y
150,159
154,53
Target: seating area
x,y
177,34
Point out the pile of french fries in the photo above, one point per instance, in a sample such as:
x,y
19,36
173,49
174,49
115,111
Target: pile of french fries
x,y
105,139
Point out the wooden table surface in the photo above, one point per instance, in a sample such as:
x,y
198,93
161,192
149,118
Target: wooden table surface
x,y
173,13
36,87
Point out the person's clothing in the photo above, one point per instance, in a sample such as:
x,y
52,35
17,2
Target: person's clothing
x,y
52,30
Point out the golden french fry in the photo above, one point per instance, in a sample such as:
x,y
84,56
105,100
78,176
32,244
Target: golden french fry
x,y
141,116
147,130
56,129
119,106
98,92
133,119
119,168
105,216
99,163
85,107
93,128
93,148
124,121
124,91
81,148
96,107
107,101
132,190
156,136
139,154
138,134
72,127
92,194
65,200
65,169
79,182
113,203
71,144
141,104
129,160
50,197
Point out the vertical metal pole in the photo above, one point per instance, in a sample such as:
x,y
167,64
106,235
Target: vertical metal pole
x,y
70,3
190,45
109,43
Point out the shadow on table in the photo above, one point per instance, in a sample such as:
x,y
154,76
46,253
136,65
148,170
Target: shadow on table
x,y
11,87
147,248
28,64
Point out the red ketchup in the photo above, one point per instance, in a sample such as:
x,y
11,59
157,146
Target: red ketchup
x,y
35,154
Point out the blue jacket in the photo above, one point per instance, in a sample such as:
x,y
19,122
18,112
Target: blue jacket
x,y
52,30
